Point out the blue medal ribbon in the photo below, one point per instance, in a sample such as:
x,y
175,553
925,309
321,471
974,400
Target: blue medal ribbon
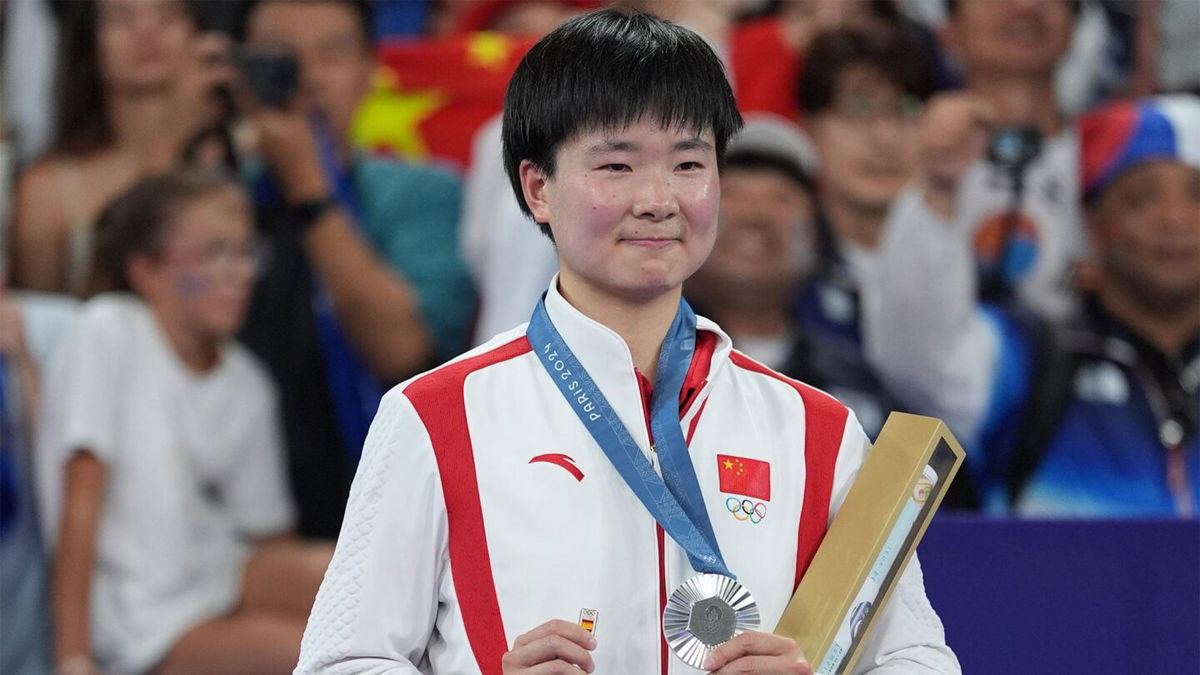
x,y
674,499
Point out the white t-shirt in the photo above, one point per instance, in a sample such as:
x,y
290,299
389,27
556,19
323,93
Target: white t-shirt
x,y
195,472
1049,237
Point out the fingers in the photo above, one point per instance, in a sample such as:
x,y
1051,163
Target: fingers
x,y
761,653
566,629
765,665
553,647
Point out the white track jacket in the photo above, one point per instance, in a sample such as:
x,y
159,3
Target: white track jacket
x,y
483,508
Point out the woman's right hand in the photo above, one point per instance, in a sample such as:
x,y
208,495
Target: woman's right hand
x,y
553,647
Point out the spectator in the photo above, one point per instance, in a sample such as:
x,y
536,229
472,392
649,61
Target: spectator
x,y
363,285
30,324
766,240
1095,416
1022,203
132,89
160,471
862,94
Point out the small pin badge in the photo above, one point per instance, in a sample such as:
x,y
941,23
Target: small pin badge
x,y
587,619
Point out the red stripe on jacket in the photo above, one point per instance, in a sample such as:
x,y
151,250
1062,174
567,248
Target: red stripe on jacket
x,y
824,426
438,400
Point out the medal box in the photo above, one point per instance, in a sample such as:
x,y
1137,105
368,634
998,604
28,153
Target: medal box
x,y
868,544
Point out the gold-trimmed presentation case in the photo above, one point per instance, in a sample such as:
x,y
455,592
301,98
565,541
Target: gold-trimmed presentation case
x,y
897,491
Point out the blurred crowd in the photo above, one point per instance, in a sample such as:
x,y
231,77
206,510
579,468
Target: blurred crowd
x,y
229,227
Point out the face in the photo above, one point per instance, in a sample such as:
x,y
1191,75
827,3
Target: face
x,y
142,44
633,211
767,238
867,140
533,17
206,268
1019,36
1147,230
335,57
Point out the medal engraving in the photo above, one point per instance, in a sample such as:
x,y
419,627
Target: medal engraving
x,y
712,621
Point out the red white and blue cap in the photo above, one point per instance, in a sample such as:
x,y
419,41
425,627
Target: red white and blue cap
x,y
1121,135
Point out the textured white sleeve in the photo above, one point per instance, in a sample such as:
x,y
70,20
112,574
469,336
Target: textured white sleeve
x,y
907,636
377,605
922,330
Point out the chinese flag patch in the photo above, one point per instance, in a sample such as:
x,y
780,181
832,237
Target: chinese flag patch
x,y
745,476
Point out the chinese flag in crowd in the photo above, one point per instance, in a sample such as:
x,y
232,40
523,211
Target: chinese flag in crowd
x,y
744,476
430,96
765,69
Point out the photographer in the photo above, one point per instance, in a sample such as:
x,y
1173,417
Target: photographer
x,y
363,285
1094,416
1019,202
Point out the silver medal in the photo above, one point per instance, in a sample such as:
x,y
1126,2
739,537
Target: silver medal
x,y
705,612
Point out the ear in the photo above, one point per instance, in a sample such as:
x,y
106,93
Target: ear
x,y
535,187
143,274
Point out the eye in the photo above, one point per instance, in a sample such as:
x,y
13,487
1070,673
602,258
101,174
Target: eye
x,y
690,166
616,168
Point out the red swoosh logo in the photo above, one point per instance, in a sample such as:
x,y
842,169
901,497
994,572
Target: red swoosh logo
x,y
559,459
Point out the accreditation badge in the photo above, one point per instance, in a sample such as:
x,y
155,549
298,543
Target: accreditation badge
x,y
705,612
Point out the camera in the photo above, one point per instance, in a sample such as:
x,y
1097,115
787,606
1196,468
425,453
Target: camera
x,y
270,73
1013,148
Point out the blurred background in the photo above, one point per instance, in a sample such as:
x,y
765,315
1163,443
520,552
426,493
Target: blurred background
x,y
228,226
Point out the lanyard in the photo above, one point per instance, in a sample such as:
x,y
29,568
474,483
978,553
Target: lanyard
x,y
674,499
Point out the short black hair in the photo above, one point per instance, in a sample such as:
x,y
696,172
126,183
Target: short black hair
x,y
361,9
608,69
896,55
760,160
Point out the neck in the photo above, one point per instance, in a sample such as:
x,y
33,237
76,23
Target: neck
x,y
760,323
143,125
642,324
1020,99
744,310
856,223
1167,328
198,353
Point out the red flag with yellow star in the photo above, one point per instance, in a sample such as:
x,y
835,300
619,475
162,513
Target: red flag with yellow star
x,y
745,476
429,96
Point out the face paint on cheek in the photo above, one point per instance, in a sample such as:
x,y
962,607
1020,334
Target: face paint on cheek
x,y
192,286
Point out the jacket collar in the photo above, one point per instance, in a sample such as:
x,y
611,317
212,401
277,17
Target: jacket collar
x,y
606,357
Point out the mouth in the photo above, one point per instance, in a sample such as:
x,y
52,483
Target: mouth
x,y
650,242
1024,32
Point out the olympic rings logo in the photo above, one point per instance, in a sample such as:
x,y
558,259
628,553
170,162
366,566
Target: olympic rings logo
x,y
744,509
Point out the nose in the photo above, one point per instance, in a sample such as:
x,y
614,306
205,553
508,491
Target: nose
x,y
655,197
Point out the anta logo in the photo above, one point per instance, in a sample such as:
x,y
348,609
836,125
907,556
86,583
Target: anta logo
x,y
559,459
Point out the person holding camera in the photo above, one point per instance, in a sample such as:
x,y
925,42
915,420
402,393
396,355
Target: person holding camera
x,y
1020,198
1093,416
363,285
133,87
